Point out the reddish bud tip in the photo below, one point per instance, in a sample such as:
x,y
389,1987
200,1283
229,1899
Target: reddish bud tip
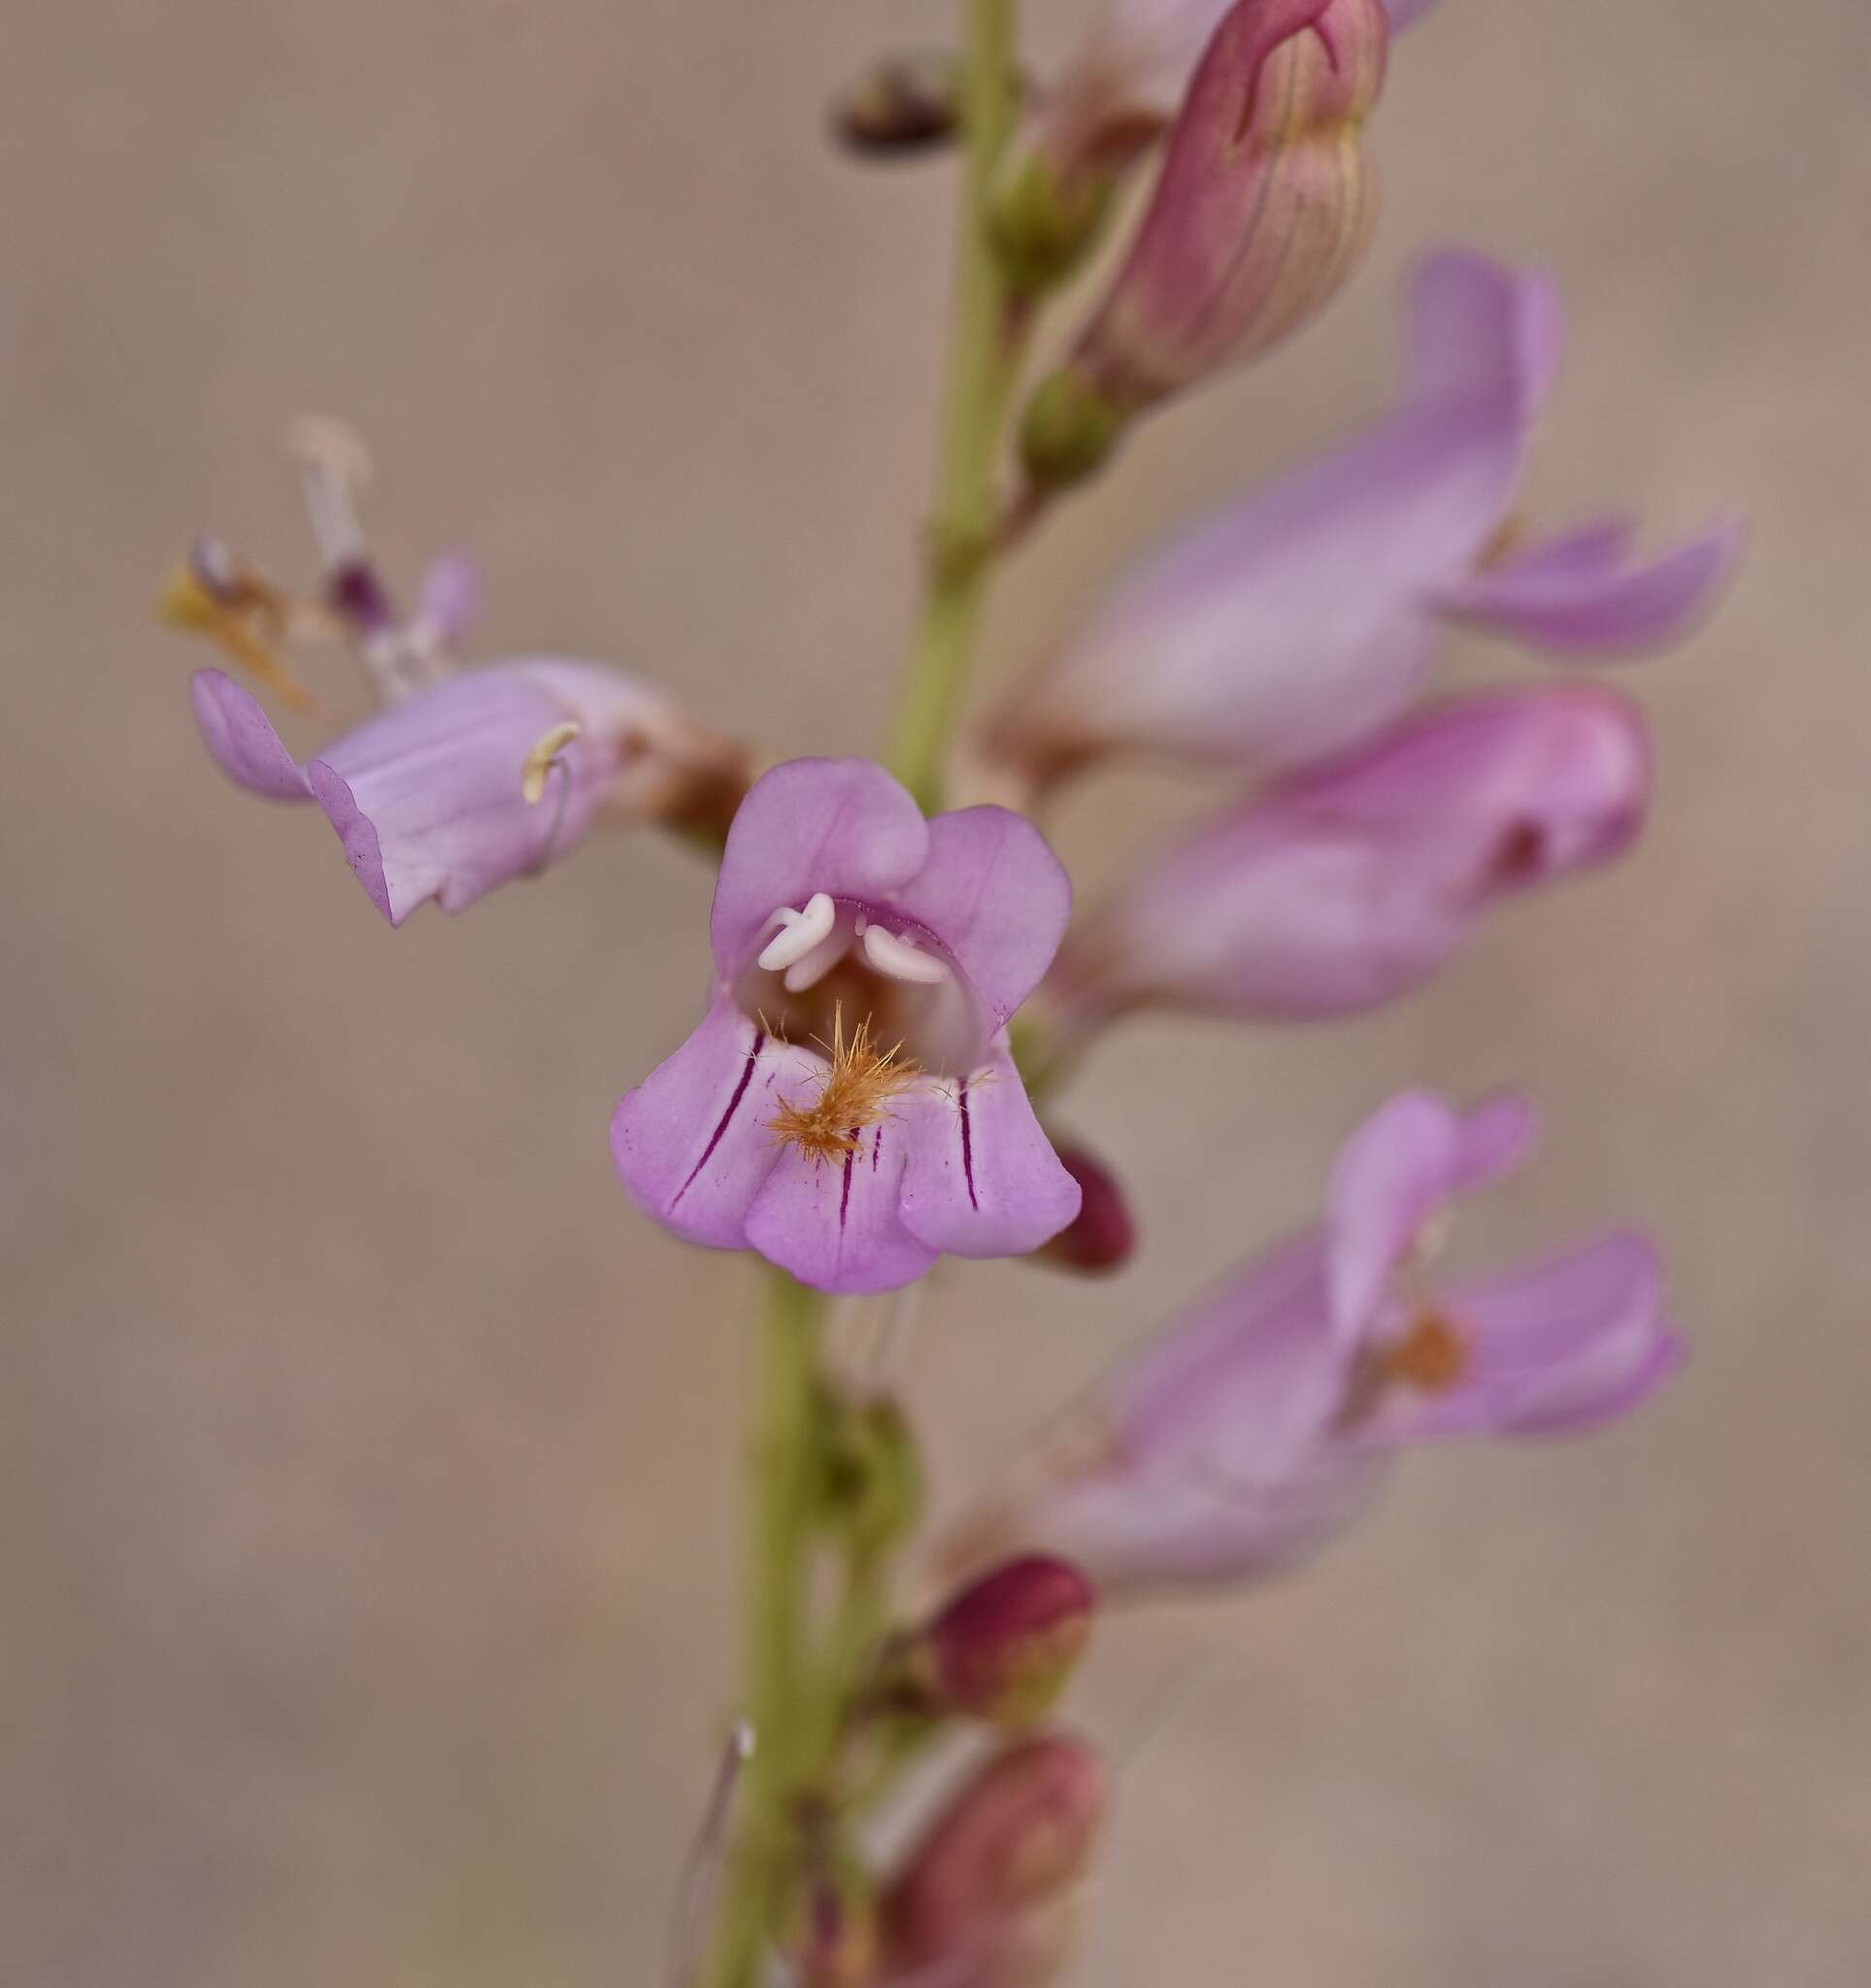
x,y
979,1890
1004,1647
1103,1235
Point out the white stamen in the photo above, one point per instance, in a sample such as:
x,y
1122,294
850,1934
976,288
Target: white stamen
x,y
817,963
899,958
799,932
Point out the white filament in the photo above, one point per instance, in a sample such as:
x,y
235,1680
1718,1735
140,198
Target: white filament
x,y
900,959
799,932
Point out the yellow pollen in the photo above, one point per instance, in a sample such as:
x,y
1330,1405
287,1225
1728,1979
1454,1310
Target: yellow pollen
x,y
246,621
540,760
1432,1356
855,1093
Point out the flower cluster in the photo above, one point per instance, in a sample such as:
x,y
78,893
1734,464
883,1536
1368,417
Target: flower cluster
x,y
898,992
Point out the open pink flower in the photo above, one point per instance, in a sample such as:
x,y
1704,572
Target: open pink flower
x,y
1350,884
848,1107
1259,1422
477,778
1306,617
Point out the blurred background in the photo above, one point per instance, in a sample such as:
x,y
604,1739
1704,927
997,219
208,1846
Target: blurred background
x,y
368,1508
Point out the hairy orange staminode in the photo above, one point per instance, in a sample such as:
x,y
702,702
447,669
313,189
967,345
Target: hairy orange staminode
x,y
855,1093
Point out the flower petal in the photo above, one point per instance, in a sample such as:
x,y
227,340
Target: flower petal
x,y
691,1141
1560,1345
843,826
835,1223
997,897
981,1177
1481,330
1394,1174
1581,595
241,737
426,797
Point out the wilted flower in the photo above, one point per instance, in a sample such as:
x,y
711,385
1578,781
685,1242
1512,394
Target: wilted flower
x,y
848,1107
464,780
1307,616
1256,1424
983,1900
1255,219
1350,884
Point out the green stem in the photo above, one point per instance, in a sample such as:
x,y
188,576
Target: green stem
x,y
780,1486
986,345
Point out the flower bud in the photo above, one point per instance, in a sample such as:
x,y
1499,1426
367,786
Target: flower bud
x,y
1261,208
873,1488
904,103
1003,1648
1044,223
1102,1236
979,1894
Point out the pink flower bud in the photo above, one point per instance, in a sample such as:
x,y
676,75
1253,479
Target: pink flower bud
x,y
1103,1236
1261,209
1003,1648
980,1892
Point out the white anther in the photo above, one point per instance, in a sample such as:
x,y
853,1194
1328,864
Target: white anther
x,y
817,963
799,932
541,759
900,959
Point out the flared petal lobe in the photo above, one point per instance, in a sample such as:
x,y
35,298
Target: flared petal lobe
x,y
840,826
692,1143
836,1223
981,1177
1396,1173
1583,596
1555,1347
999,897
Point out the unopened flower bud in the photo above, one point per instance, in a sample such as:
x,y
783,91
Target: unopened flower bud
x,y
873,1475
980,1893
904,103
1261,208
1044,223
1069,427
1103,1235
1003,1648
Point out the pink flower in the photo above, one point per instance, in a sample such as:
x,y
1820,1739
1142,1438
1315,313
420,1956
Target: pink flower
x,y
478,778
1347,885
1258,1423
1307,616
848,1107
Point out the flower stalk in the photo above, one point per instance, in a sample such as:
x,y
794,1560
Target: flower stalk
x,y
986,343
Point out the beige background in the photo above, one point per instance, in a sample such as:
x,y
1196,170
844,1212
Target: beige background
x,y
365,1464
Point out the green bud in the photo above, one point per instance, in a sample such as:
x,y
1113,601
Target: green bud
x,y
1068,430
1042,226
873,1477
